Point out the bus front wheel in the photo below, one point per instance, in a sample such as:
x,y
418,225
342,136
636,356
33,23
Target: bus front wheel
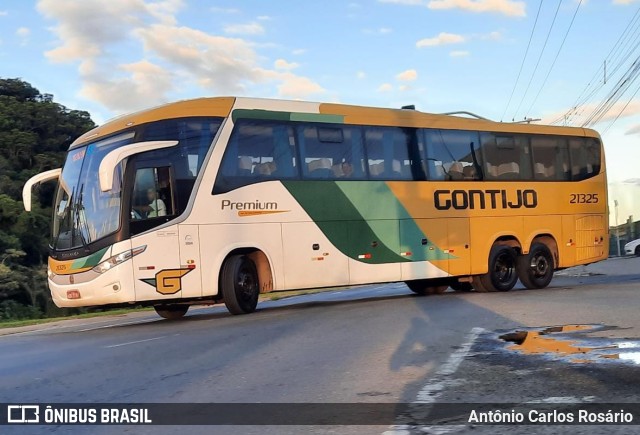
x,y
240,284
421,287
535,269
502,275
171,312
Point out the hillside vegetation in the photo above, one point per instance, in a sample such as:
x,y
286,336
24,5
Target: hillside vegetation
x,y
35,133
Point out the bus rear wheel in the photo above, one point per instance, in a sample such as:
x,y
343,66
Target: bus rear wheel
x,y
240,284
535,269
171,312
502,275
421,287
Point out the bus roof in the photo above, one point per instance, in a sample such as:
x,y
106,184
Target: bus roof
x,y
222,106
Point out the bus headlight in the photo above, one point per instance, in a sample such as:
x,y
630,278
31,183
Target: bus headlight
x,y
119,258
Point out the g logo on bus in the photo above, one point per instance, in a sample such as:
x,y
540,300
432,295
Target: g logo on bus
x,y
167,281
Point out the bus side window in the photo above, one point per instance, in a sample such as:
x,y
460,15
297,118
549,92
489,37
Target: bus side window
x,y
453,155
505,157
257,151
388,155
331,151
585,158
550,158
152,195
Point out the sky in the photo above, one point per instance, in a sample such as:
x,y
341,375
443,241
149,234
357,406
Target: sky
x,y
117,56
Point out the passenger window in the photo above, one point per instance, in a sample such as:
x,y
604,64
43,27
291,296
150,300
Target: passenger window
x,y
388,153
152,194
585,158
453,155
331,152
550,158
257,151
195,136
506,157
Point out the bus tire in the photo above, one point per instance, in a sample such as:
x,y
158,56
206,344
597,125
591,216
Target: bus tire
x,y
421,287
535,269
171,312
240,285
502,275
461,286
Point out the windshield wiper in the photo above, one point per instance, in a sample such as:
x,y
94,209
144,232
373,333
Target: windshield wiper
x,y
78,217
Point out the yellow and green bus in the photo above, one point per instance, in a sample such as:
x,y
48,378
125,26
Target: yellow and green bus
x,y
221,199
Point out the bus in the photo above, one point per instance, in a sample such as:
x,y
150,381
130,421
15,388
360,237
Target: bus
x,y
221,199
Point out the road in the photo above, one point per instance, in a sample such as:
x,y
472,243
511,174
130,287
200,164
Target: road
x,y
370,344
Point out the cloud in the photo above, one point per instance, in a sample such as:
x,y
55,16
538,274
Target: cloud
x,y
492,36
141,81
623,2
407,76
299,51
4,13
283,64
93,33
385,87
443,38
23,32
384,30
361,75
633,108
220,10
459,53
406,2
264,18
245,29
506,7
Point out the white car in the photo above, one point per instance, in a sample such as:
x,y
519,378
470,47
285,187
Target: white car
x,y
632,248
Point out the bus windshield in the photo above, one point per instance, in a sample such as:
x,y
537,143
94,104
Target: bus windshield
x,y
82,212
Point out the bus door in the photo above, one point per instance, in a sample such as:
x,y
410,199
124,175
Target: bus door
x,y
158,272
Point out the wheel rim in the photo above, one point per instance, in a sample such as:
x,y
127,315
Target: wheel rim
x,y
246,284
539,265
505,268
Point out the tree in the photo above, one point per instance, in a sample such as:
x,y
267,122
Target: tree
x,y
35,133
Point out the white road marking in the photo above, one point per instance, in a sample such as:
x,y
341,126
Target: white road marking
x,y
433,389
135,342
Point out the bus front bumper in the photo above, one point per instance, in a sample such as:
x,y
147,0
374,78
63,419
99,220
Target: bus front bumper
x,y
90,288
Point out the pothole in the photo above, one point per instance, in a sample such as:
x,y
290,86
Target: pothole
x,y
566,342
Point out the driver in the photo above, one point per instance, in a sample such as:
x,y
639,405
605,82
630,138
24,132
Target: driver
x,y
156,205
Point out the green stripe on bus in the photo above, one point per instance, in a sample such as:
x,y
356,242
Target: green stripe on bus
x,y
317,117
285,116
408,237
89,261
332,211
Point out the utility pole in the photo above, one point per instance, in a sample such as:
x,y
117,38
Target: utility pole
x,y
615,203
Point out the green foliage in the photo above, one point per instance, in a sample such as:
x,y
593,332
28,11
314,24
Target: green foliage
x,y
35,133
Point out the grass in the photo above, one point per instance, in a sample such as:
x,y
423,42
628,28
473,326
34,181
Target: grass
x,y
28,322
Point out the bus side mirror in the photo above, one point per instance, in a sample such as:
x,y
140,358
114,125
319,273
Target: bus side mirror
x,y
53,174
112,159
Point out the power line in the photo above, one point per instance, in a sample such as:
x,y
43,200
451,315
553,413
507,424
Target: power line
x,y
544,82
539,58
621,111
523,59
618,53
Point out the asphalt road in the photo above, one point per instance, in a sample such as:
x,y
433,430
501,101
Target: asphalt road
x,y
370,344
